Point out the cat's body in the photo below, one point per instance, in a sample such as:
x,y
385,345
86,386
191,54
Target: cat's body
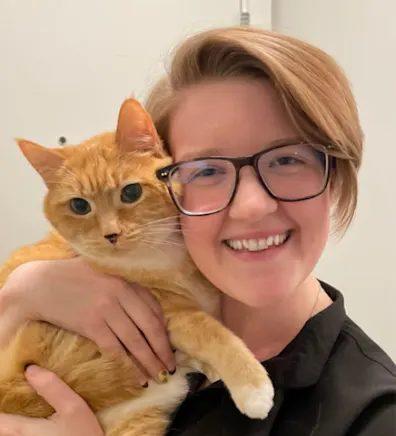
x,y
124,223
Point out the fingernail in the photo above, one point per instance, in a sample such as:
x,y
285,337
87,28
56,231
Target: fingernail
x,y
172,372
27,365
145,385
31,369
163,376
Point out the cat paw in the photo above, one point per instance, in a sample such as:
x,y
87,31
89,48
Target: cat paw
x,y
255,402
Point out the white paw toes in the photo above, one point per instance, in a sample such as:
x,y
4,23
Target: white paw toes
x,y
255,402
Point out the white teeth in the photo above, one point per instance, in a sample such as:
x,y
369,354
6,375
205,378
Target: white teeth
x,y
262,245
238,245
257,244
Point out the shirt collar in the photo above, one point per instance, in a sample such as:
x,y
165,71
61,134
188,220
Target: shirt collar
x,y
301,362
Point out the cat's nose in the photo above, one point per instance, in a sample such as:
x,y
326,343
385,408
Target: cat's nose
x,y
112,237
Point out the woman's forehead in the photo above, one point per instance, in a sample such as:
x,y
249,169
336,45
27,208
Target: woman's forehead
x,y
227,117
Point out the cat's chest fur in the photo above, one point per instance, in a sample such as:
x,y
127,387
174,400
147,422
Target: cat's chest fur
x,y
167,277
167,396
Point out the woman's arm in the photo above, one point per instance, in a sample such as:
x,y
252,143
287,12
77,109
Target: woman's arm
x,y
107,310
52,247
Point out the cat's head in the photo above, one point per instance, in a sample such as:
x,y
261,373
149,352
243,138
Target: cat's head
x,y
103,195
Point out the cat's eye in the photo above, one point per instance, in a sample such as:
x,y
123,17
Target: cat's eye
x,y
80,206
131,193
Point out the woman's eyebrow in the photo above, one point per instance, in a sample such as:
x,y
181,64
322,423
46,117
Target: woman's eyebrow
x,y
207,152
200,153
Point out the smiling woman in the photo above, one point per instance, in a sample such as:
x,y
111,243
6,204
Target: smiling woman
x,y
266,145
250,201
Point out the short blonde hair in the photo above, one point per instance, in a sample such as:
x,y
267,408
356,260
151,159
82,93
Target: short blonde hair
x,y
312,87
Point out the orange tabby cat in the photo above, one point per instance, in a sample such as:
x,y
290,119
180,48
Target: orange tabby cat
x,y
105,203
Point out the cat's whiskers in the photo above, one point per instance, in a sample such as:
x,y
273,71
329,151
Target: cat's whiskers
x,y
165,242
159,230
174,219
161,234
155,247
158,235
183,231
163,229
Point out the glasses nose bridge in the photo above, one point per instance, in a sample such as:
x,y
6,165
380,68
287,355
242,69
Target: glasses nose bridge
x,y
244,161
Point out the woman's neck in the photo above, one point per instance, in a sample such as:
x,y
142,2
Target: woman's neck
x,y
268,330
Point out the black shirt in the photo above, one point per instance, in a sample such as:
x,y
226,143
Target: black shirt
x,y
331,380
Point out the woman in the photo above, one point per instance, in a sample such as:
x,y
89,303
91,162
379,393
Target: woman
x,y
257,234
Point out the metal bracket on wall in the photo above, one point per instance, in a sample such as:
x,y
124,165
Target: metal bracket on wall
x,y
244,13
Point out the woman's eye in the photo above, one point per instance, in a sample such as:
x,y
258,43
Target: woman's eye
x,y
131,193
199,172
287,160
80,206
206,172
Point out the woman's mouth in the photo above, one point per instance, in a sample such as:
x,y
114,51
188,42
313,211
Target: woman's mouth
x,y
260,244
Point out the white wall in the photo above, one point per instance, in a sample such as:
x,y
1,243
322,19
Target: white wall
x,y
361,35
67,64
65,67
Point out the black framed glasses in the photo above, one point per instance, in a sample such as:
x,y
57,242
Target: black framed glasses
x,y
290,171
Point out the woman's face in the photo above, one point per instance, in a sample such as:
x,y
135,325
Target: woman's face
x,y
238,117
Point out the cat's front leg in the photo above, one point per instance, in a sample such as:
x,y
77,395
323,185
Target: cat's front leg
x,y
204,338
191,364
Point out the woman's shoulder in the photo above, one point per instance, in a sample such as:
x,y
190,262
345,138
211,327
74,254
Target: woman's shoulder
x,y
365,353
355,352
358,367
358,381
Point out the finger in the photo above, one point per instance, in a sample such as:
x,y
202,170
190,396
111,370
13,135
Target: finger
x,y
55,392
106,339
15,425
133,340
152,328
151,301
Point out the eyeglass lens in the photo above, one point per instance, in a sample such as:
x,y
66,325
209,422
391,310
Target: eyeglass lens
x,y
290,172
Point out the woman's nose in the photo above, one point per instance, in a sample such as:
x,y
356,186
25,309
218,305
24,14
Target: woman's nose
x,y
251,201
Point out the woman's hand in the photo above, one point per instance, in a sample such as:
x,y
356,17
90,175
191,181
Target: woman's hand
x,y
105,309
72,414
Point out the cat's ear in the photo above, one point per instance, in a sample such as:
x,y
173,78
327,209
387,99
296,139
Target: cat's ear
x,y
45,161
136,130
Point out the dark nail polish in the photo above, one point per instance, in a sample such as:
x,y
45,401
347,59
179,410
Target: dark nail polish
x,y
172,372
145,385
